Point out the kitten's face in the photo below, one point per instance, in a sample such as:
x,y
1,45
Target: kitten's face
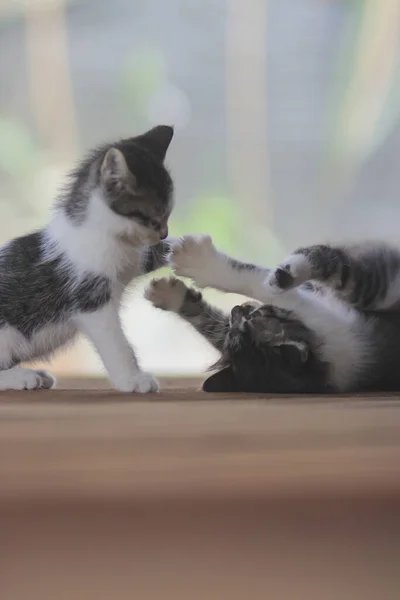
x,y
137,187
265,347
267,326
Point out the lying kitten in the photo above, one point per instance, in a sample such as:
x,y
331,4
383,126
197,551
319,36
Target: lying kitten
x,y
106,229
263,348
341,334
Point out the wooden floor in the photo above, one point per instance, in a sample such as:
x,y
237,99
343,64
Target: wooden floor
x,y
186,495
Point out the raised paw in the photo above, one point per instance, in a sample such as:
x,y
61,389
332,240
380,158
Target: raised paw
x,y
166,293
194,257
294,271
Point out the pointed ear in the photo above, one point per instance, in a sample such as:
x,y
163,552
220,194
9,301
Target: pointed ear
x,y
114,166
157,140
222,381
294,353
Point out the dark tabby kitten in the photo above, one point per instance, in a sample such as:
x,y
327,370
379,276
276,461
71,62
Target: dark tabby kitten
x,y
106,230
340,333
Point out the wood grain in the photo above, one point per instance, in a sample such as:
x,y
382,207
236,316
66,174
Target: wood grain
x,y
189,495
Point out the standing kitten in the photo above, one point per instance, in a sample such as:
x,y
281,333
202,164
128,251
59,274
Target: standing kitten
x,y
341,334
106,230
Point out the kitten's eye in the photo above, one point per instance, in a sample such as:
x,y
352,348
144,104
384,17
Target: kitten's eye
x,y
112,186
155,224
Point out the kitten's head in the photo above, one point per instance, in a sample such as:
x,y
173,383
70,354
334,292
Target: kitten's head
x,y
136,185
266,349
133,183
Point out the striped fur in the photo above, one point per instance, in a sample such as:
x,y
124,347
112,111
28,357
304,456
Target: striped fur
x,y
365,276
350,306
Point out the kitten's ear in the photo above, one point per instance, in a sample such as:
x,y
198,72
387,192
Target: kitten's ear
x,y
114,166
294,353
157,140
222,381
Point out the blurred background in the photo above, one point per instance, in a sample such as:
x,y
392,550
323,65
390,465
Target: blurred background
x,y
286,114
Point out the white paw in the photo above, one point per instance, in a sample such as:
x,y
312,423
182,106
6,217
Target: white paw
x,y
47,381
140,383
293,271
194,257
166,293
19,378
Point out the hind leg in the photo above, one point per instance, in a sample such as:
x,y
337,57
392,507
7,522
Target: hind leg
x,y
15,348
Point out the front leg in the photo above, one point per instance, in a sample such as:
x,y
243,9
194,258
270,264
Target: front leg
x,y
364,276
103,328
173,295
196,257
326,264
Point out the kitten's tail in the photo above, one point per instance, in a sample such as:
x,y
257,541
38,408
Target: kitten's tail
x,y
157,256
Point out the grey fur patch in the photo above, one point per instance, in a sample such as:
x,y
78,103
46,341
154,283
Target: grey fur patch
x,y
156,256
35,293
361,275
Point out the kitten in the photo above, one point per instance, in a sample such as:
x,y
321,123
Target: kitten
x,y
109,226
340,333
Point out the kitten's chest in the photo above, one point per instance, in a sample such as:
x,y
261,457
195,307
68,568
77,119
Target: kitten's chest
x,y
105,255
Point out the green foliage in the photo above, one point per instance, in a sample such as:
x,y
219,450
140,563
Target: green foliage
x,y
20,158
218,216
214,214
18,153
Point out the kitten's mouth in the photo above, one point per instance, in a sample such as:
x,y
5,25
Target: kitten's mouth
x,y
155,242
136,240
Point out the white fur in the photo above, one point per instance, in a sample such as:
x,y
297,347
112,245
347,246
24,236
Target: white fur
x,y
104,329
95,245
19,378
344,338
104,244
196,257
297,265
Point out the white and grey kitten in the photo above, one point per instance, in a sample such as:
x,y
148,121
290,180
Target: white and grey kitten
x,y
107,229
329,319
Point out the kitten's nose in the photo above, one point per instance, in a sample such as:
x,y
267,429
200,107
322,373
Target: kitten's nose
x,y
164,232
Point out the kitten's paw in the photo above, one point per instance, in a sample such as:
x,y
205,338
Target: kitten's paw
x,y
47,381
145,383
19,378
139,383
294,271
166,293
194,257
